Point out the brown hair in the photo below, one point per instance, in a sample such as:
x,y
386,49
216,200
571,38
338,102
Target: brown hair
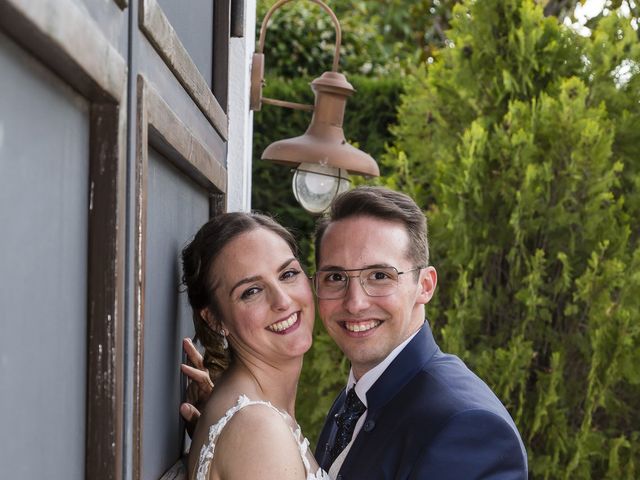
x,y
197,259
384,204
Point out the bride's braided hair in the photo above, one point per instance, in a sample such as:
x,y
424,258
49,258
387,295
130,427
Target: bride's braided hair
x,y
197,260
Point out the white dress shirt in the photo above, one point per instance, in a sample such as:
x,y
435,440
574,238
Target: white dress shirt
x,y
362,386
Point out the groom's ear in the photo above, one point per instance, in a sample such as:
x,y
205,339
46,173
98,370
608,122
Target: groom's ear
x,y
427,285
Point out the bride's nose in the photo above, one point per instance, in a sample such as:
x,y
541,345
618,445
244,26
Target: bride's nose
x,y
280,299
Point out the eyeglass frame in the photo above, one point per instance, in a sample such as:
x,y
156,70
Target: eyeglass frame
x,y
360,281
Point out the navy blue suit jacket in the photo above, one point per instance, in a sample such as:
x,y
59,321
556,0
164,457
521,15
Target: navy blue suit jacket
x,y
429,417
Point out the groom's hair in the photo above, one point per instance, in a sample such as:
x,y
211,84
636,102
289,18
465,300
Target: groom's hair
x,y
383,204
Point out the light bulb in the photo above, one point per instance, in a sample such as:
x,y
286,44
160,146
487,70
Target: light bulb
x,y
315,186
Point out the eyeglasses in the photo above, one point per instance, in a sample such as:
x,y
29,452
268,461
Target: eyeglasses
x,y
375,281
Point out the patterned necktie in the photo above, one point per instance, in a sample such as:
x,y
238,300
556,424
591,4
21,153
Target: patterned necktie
x,y
346,420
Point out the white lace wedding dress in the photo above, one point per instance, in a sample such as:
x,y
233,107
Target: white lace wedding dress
x,y
206,453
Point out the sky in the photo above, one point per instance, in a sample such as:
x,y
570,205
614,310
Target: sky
x,y
590,8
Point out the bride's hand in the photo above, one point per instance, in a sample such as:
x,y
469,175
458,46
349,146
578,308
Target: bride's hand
x,y
199,388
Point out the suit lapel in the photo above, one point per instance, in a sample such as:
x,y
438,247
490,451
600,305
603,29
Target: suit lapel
x,y
404,367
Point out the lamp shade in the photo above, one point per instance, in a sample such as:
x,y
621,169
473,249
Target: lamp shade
x,y
324,142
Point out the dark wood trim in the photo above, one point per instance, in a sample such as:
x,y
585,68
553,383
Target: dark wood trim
x,y
142,162
159,126
237,18
69,42
217,204
221,31
106,295
158,30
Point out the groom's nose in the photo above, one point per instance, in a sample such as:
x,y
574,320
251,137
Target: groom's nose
x,y
355,298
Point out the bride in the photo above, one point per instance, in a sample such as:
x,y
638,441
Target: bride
x,y
253,311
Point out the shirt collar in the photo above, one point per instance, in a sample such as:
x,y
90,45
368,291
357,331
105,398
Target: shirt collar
x,y
367,380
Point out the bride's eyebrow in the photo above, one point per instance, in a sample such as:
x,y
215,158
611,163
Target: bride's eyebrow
x,y
258,277
286,263
243,281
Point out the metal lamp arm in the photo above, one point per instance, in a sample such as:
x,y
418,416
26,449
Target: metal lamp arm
x,y
334,19
257,65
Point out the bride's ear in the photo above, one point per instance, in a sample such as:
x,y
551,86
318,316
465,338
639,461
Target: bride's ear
x,y
215,324
209,319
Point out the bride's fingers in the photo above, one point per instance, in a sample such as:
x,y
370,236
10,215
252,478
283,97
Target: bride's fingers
x,y
193,354
190,415
189,412
195,374
200,377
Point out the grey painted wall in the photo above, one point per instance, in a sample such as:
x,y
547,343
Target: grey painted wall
x,y
110,19
45,327
44,151
176,209
193,21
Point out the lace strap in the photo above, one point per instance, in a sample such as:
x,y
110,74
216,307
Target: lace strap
x,y
206,453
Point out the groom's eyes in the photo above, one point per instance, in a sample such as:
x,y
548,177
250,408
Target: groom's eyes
x,y
334,277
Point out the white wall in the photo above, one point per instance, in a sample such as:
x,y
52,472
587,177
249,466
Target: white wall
x,y
240,116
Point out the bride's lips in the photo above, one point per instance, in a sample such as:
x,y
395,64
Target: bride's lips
x,y
286,325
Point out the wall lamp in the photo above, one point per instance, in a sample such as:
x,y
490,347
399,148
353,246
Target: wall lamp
x,y
322,158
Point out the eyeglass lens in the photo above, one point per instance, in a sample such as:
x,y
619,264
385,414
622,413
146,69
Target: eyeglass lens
x,y
376,282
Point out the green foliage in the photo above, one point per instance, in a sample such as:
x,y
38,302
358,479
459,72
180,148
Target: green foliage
x,y
300,40
521,140
614,79
377,37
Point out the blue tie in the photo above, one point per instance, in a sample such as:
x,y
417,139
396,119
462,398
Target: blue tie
x,y
346,420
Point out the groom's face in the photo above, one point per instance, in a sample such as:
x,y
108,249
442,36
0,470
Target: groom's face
x,y
368,328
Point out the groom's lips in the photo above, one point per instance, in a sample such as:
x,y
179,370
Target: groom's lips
x,y
360,327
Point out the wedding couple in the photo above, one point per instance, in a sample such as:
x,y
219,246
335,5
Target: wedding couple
x,y
408,411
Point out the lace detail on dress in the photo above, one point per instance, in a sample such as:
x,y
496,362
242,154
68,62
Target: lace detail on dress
x,y
206,453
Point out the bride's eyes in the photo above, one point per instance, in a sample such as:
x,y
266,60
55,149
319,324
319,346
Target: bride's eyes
x,y
250,293
290,274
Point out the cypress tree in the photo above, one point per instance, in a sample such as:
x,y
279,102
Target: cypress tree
x,y
521,142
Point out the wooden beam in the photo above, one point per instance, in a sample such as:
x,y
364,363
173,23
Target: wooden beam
x,y
69,42
158,30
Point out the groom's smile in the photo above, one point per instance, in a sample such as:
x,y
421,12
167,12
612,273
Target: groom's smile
x,y
360,327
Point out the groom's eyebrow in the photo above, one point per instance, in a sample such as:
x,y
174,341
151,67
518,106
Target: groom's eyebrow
x,y
258,277
342,269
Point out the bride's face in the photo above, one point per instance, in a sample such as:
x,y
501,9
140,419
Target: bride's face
x,y
264,297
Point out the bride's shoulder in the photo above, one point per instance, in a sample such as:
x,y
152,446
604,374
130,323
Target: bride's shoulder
x,y
257,443
261,419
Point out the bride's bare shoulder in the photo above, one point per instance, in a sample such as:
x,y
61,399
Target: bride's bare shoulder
x,y
257,442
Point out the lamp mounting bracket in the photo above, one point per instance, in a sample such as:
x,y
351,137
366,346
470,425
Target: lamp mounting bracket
x,y
257,63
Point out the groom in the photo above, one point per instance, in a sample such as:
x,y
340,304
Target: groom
x,y
422,413
409,410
